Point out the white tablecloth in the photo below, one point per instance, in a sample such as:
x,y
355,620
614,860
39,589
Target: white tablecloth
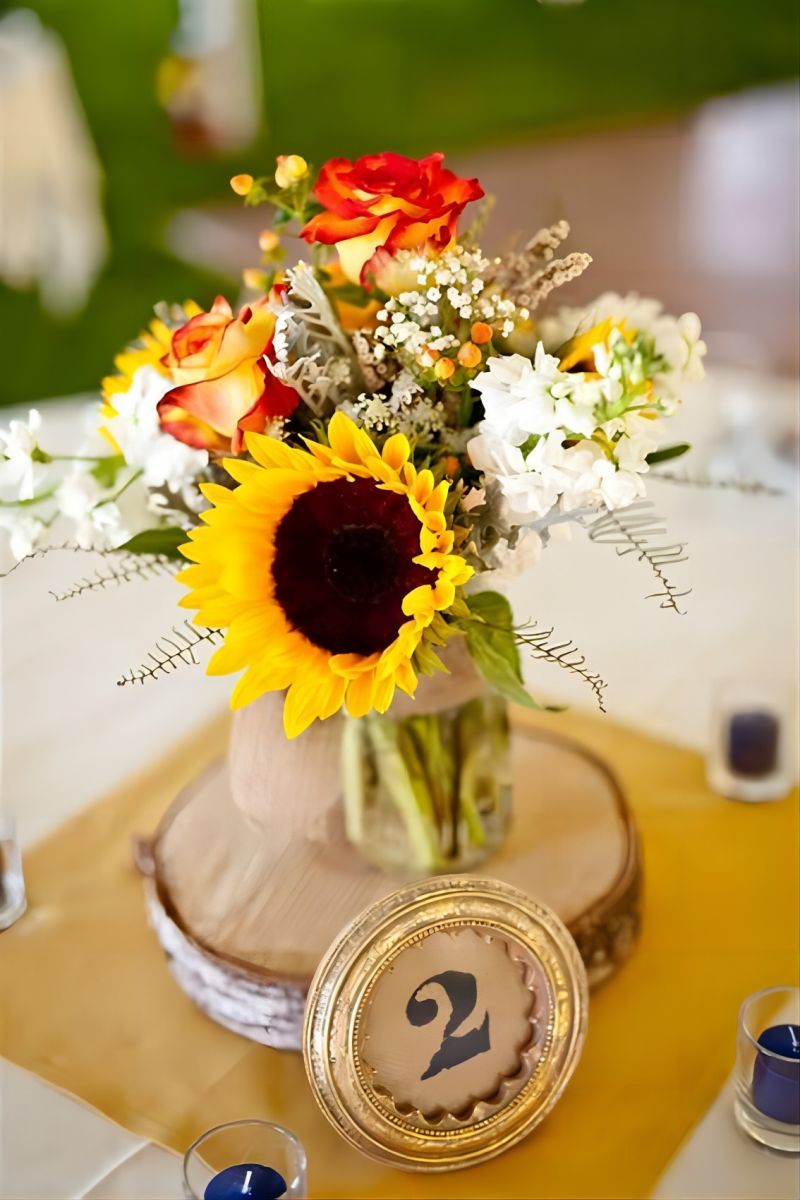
x,y
70,735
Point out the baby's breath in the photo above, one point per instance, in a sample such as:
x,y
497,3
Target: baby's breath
x,y
451,294
405,410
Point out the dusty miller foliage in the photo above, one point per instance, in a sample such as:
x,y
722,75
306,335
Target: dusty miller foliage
x,y
314,355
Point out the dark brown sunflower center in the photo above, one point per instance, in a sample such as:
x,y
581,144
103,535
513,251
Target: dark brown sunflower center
x,y
343,563
362,562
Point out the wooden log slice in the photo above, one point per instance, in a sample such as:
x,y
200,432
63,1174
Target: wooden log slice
x,y
245,914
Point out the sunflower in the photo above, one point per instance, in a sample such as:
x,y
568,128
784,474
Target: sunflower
x,y
328,567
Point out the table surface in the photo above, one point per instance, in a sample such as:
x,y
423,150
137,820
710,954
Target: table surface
x,y
60,662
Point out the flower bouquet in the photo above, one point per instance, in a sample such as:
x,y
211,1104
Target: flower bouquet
x,y
348,466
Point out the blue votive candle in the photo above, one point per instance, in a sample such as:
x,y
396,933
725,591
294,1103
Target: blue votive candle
x,y
753,743
776,1080
249,1180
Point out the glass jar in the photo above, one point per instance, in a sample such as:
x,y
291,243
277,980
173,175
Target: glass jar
x,y
767,1095
241,1159
429,792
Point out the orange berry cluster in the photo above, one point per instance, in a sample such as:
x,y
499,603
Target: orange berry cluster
x,y
469,354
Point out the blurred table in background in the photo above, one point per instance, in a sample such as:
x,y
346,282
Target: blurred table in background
x,y
70,736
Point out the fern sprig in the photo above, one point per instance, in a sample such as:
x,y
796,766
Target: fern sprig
x,y
41,551
632,531
746,487
170,651
561,654
135,566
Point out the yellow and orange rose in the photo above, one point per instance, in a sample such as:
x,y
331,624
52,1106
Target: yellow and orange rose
x,y
386,201
224,386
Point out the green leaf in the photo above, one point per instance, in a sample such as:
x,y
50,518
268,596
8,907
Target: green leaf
x,y
105,470
427,660
157,541
658,456
350,293
493,645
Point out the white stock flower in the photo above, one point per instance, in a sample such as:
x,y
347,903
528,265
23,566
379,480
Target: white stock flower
x,y
18,468
521,398
96,520
26,532
527,493
616,487
163,460
551,476
677,339
583,476
640,437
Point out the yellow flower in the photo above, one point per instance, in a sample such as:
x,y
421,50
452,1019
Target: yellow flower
x,y
290,169
241,184
268,241
327,567
578,353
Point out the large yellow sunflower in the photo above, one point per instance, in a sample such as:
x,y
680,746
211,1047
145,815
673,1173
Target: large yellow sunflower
x,y
327,567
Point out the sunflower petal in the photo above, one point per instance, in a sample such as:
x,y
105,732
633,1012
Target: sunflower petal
x,y
359,694
419,602
254,683
438,497
396,451
423,486
405,677
443,594
301,707
348,442
383,693
270,452
241,470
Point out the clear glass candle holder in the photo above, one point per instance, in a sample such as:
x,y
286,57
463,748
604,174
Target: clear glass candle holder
x,y
767,1096
13,901
749,755
244,1144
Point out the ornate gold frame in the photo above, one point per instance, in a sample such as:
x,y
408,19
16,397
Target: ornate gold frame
x,y
357,959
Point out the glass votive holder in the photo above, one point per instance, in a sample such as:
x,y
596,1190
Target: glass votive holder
x,y
13,901
239,1160
767,1096
748,756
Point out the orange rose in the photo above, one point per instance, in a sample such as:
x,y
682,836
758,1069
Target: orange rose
x,y
224,386
387,201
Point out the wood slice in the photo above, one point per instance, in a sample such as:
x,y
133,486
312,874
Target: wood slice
x,y
246,914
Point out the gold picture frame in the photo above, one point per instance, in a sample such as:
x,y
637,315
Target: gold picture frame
x,y
489,979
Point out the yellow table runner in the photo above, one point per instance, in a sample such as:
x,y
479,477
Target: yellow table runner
x,y
89,1005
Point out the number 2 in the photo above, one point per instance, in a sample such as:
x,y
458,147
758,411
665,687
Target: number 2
x,y
461,990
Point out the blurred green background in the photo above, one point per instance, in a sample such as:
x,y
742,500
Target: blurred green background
x,y
348,76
